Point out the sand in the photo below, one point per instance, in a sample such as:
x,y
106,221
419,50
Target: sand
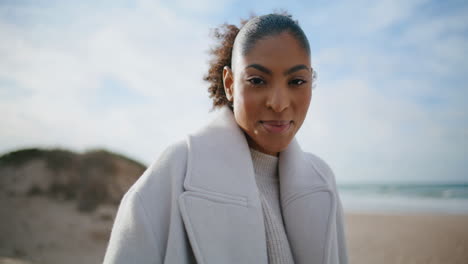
x,y
40,230
407,238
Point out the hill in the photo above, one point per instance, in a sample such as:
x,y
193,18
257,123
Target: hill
x,y
58,206
90,178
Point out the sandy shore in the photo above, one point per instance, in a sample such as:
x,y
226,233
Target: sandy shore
x,y
39,230
407,238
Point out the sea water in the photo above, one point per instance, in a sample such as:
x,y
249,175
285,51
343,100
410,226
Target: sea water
x,y
451,198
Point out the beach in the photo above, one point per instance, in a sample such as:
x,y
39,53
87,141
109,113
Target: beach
x,y
42,230
407,238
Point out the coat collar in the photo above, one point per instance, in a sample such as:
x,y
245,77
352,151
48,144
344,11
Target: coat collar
x,y
220,172
219,160
221,148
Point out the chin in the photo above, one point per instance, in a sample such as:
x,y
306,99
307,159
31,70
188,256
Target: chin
x,y
276,146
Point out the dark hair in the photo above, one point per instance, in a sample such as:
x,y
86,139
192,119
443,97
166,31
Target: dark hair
x,y
244,39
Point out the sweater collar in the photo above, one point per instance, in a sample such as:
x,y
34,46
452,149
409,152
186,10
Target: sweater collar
x,y
265,166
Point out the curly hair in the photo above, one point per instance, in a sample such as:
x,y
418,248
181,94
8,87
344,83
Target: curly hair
x,y
253,29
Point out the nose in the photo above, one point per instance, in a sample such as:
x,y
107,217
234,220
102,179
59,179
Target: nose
x,y
278,98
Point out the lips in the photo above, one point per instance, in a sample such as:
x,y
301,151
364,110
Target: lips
x,y
276,126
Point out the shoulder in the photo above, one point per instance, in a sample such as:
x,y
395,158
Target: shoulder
x,y
165,174
141,227
321,167
173,156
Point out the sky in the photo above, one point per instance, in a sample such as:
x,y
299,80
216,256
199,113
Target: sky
x,y
389,105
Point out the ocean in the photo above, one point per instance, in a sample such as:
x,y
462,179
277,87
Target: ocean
x,y
451,198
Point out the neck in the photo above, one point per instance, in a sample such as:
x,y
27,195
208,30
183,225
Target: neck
x,y
252,144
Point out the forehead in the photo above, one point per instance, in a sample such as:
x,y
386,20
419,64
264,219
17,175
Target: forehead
x,y
280,51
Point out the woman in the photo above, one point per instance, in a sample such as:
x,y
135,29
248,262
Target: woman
x,y
240,190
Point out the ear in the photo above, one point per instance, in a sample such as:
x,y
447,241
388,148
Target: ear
x,y
228,81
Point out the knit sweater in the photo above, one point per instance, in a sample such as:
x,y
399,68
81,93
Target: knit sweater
x,y
266,177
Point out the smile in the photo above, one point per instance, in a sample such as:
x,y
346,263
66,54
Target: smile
x,y
276,126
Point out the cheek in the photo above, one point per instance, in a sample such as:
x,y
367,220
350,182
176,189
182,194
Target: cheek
x,y
240,113
246,106
302,104
251,101
304,99
307,100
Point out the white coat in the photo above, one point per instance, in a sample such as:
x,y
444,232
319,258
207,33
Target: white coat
x,y
199,203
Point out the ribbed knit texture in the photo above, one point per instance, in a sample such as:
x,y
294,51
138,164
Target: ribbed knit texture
x,y
266,176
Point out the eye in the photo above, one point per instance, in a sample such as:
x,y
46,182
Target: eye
x,y
256,81
297,82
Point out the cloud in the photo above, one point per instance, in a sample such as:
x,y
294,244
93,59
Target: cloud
x,y
390,108
389,104
143,49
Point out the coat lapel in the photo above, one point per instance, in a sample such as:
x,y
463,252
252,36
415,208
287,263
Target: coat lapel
x,y
221,208
308,205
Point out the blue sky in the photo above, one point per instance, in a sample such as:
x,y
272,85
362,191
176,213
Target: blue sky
x,y
127,76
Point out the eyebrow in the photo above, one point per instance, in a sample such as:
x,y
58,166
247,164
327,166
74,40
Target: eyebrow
x,y
289,71
296,68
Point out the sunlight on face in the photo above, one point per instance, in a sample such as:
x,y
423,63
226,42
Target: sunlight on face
x,y
271,89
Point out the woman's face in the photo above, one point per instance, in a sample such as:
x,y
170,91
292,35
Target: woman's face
x,y
271,89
